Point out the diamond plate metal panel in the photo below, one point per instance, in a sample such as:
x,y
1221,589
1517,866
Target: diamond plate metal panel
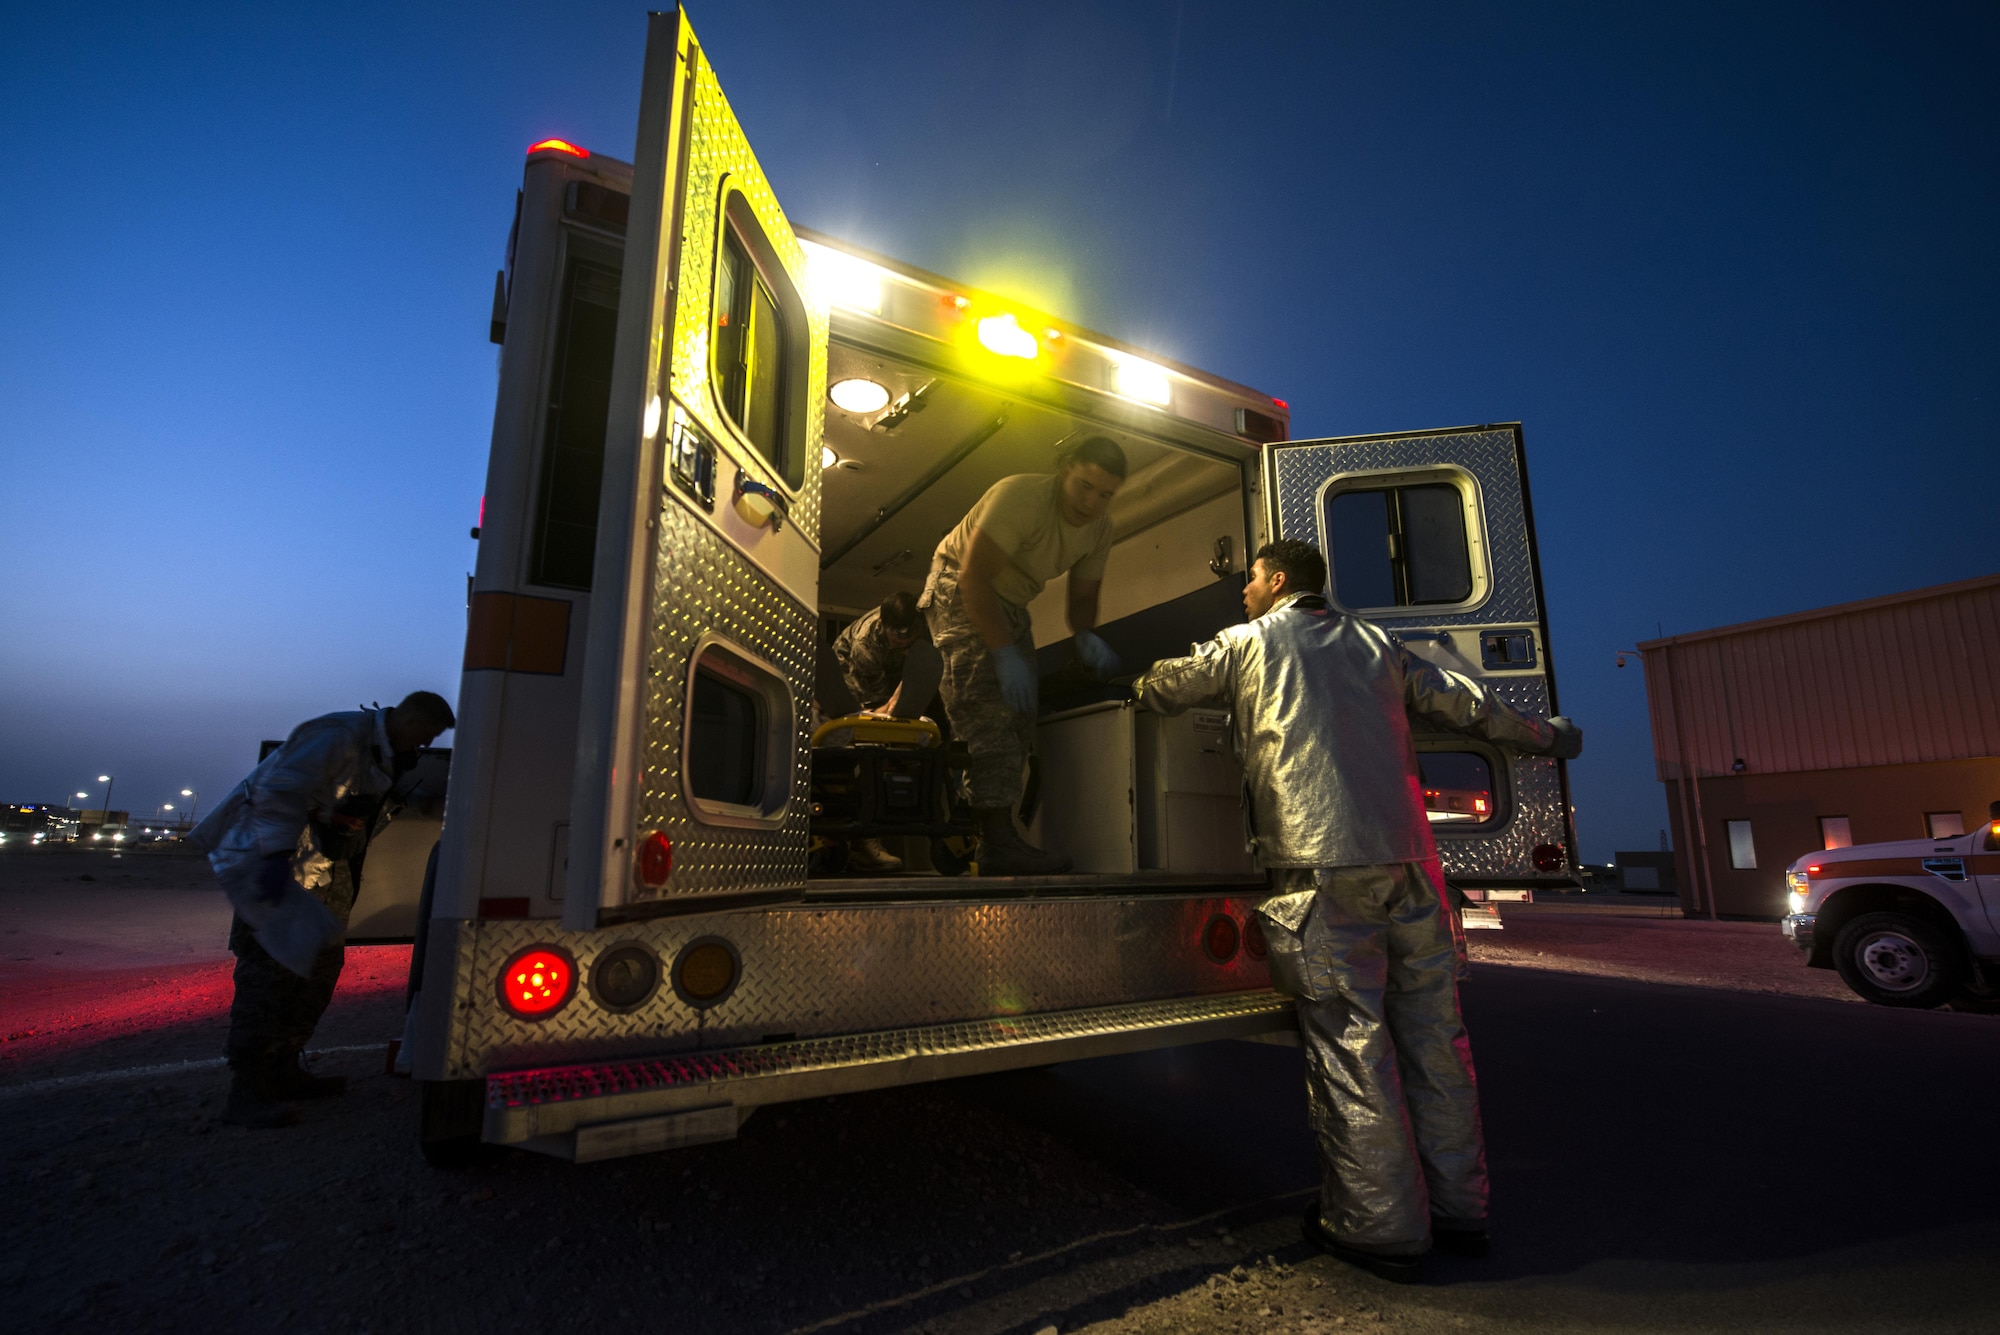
x,y
718,152
820,972
1537,804
1299,471
702,584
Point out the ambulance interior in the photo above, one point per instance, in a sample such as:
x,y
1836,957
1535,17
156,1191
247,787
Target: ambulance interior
x,y
1120,791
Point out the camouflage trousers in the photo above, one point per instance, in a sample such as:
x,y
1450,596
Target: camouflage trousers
x,y
275,1011
1393,1098
997,739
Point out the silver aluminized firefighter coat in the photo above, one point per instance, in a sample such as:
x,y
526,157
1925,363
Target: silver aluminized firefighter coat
x,y
1320,704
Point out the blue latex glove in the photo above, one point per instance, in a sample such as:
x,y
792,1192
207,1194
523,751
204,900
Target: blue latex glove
x,y
1018,678
1568,744
1098,656
273,874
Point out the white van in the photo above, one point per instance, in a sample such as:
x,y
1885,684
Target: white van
x,y
620,948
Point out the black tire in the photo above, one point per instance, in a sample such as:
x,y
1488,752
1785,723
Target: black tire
x,y
1897,959
450,1116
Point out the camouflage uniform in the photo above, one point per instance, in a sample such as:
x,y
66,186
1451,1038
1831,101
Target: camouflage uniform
x,y
996,738
275,1011
872,666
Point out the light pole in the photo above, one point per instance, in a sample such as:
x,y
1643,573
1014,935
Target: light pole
x,y
192,806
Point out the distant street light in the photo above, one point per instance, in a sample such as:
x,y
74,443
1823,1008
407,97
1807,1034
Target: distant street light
x,y
109,783
189,792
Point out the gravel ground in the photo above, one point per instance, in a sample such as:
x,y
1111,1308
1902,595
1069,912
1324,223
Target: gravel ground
x,y
930,1209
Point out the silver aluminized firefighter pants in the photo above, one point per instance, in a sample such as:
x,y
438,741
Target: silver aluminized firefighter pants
x,y
1369,953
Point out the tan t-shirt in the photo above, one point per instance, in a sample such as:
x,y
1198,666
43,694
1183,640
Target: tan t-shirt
x,y
1020,514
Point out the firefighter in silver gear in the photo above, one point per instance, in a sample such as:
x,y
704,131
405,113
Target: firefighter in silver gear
x,y
286,844
1025,531
871,653
1358,928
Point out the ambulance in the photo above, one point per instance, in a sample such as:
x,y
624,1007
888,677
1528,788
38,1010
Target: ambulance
x,y
718,437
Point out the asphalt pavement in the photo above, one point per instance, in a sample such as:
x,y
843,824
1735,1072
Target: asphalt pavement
x,y
1665,1157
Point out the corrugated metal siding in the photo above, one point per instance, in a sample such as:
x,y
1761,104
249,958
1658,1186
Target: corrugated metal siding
x,y
1893,681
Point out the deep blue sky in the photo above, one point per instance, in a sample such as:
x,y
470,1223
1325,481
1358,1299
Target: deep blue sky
x,y
1734,266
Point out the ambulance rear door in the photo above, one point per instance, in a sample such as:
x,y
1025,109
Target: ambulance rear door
x,y
691,775
1431,535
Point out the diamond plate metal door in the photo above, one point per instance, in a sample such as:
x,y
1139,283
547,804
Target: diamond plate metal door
x,y
1431,535
691,774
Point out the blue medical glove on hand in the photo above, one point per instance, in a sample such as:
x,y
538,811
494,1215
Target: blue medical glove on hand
x,y
273,874
1017,678
1098,656
1568,744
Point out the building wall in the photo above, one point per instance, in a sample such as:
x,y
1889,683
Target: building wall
x,y
1900,680
1881,803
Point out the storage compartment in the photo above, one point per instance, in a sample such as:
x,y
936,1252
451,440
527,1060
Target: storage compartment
x,y
1086,758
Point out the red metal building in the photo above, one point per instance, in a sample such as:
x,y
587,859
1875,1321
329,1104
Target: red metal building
x,y
1854,724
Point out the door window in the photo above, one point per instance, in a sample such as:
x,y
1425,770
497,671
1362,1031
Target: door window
x,y
753,346
1399,546
1458,788
735,755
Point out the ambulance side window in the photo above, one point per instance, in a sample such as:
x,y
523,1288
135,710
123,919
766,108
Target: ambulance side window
x,y
572,464
736,749
755,347
1399,545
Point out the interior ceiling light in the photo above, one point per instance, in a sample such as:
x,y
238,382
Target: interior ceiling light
x,y
858,394
1136,378
837,279
827,458
1003,335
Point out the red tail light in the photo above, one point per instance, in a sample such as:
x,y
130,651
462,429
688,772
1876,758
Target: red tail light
x,y
1254,944
1220,938
537,982
1548,857
656,860
559,146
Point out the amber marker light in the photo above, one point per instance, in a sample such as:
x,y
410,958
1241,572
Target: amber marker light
x,y
559,146
706,971
537,982
1003,336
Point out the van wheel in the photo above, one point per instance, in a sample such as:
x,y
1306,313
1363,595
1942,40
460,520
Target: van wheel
x,y
450,1116
1894,959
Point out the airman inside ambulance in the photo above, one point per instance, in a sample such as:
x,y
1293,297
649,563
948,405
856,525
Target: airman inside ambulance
x,y
1025,531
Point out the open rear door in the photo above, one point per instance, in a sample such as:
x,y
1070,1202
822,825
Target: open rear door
x,y
1431,536
691,777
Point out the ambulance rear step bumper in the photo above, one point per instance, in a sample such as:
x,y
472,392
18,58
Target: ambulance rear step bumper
x,y
602,1110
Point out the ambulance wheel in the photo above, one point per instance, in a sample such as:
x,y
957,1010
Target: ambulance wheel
x,y
1895,959
450,1116
953,854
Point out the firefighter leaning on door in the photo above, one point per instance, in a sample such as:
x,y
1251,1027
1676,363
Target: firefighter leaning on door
x,y
1357,926
1025,531
286,845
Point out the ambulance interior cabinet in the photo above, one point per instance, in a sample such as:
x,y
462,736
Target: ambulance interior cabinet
x,y
1190,794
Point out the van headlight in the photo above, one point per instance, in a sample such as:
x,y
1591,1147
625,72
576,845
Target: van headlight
x,y
1800,888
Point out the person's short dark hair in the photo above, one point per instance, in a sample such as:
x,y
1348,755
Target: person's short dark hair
x,y
1099,450
430,705
899,612
1304,567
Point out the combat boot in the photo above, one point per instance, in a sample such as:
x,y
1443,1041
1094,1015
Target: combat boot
x,y
867,857
252,1102
1003,852
290,1080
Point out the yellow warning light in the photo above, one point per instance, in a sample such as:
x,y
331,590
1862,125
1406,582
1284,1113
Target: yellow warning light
x,y
1003,336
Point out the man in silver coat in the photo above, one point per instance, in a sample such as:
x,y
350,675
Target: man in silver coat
x,y
1358,928
286,844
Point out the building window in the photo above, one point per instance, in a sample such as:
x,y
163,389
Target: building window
x,y
1742,848
1944,824
1834,832
1403,546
